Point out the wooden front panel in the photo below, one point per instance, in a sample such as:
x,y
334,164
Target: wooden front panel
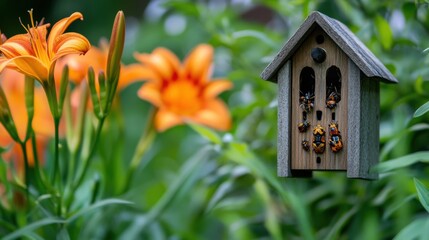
x,y
301,159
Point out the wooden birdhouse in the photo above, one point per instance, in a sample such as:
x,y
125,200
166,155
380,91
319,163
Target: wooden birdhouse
x,y
328,101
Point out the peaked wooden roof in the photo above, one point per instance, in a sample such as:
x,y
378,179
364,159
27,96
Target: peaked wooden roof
x,y
343,37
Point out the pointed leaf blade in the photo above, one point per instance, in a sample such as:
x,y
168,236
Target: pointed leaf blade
x,y
422,110
423,193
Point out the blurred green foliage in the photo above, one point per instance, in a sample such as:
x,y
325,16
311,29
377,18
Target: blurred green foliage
x,y
198,184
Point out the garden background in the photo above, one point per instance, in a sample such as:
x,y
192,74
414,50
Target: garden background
x,y
199,183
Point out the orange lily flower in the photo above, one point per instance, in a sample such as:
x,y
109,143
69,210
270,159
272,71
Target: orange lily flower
x,y
12,83
34,53
96,57
79,64
184,92
3,59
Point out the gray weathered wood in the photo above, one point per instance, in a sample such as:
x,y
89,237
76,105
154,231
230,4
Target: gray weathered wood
x,y
283,121
354,118
343,37
370,121
363,124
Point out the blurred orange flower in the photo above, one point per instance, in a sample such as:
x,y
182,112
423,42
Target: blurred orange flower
x,y
96,58
184,92
33,53
13,83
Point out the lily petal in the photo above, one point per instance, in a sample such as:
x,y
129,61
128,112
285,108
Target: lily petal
x,y
169,57
59,28
165,120
132,73
212,89
150,92
160,64
215,115
79,64
17,45
70,43
198,63
31,66
3,63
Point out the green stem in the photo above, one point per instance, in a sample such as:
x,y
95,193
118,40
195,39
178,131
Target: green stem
x,y
75,130
35,156
71,168
92,151
52,100
86,162
27,168
39,173
57,168
143,145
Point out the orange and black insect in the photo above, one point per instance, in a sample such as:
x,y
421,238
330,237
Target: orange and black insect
x,y
303,126
306,102
335,141
333,98
319,139
306,145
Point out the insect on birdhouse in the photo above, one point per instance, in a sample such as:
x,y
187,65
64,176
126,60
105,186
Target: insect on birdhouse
x,y
328,101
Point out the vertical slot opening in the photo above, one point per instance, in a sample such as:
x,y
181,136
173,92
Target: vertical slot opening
x,y
319,115
318,160
333,87
306,89
333,116
304,115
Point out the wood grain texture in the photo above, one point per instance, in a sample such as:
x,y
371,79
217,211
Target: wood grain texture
x,y
283,121
363,127
370,125
354,122
343,37
306,160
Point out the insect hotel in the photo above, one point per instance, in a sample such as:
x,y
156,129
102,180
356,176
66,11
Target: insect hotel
x,y
328,101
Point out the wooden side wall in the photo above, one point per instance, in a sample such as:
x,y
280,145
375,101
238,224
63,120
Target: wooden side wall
x,y
364,121
283,121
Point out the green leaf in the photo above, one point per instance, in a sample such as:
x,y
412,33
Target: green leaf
x,y
418,85
187,8
207,133
384,32
271,218
254,34
423,193
98,204
413,230
422,110
186,171
240,153
339,224
392,208
402,162
409,10
220,193
33,226
3,172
